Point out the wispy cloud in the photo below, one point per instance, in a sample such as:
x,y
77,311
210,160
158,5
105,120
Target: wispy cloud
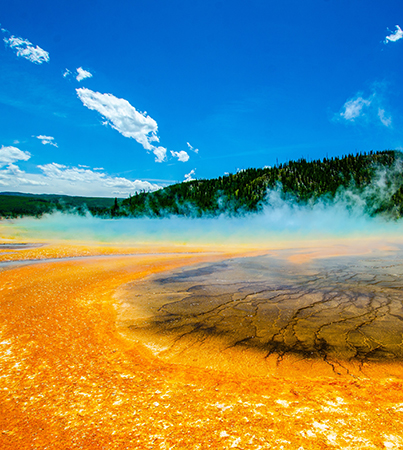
x,y
124,118
181,155
47,140
189,176
82,74
196,150
25,49
395,36
82,179
13,178
66,73
355,107
9,155
366,109
58,178
10,174
384,117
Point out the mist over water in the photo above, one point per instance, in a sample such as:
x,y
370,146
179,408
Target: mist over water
x,y
280,222
322,271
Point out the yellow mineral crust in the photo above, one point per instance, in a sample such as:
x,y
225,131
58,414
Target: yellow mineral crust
x,y
68,380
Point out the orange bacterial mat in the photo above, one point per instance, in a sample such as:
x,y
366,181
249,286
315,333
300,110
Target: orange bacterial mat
x,y
72,376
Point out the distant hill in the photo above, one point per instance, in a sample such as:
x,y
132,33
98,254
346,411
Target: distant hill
x,y
17,204
376,177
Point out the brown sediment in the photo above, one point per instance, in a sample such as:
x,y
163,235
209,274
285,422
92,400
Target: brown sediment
x,y
69,380
259,315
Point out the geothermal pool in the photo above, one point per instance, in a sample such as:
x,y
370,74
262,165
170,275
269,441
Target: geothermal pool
x,y
216,347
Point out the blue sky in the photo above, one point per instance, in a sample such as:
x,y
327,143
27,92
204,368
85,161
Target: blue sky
x,y
104,98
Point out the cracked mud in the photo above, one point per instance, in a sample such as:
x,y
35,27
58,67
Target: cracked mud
x,y
336,310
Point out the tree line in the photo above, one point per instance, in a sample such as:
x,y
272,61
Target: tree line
x,y
376,177
301,181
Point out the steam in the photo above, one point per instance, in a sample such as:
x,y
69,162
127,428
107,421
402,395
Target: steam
x,y
281,222
352,214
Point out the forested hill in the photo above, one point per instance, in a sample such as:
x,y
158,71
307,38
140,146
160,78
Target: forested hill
x,y
16,204
376,177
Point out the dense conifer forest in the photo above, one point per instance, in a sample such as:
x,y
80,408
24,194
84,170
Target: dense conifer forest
x,y
375,179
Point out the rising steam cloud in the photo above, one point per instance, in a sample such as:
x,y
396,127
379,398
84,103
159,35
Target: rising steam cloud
x,y
282,220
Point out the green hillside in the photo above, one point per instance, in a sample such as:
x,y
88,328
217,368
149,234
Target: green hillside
x,y
301,181
15,204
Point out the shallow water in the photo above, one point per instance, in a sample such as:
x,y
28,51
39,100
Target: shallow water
x,y
68,377
249,312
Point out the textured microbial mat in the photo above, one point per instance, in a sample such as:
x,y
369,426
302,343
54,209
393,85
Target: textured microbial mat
x,y
196,350
340,309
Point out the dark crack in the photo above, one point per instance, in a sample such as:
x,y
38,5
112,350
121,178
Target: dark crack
x,y
337,309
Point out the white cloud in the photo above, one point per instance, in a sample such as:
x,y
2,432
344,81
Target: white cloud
x,y
355,107
72,174
159,152
196,150
12,175
84,181
13,179
57,178
395,36
25,49
82,74
189,177
47,140
366,110
66,73
124,118
9,155
182,155
384,118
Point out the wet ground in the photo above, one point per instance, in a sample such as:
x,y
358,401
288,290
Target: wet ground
x,y
346,309
221,352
